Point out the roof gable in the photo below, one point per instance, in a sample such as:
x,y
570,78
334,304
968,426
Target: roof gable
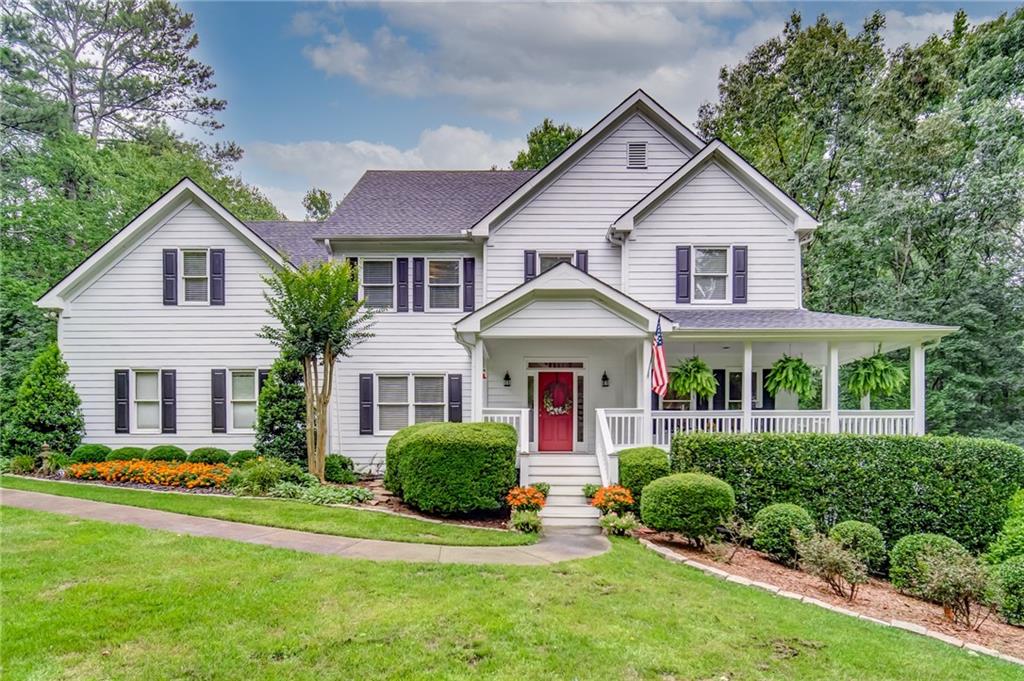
x,y
158,212
638,102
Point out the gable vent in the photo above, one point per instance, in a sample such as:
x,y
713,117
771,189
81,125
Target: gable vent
x,y
637,155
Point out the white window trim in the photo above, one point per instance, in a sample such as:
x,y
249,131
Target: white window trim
x,y
728,276
554,254
231,398
427,285
133,419
182,277
394,281
410,397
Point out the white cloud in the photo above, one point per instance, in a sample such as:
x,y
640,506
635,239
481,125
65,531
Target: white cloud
x,y
903,28
336,166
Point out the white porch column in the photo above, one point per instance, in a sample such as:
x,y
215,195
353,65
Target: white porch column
x,y
917,386
748,368
479,385
832,387
643,396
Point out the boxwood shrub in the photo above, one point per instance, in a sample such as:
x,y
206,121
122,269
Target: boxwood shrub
x,y
901,484
166,453
339,469
863,540
90,453
392,453
127,454
452,468
692,504
908,560
1010,584
208,455
640,466
1009,543
779,527
241,456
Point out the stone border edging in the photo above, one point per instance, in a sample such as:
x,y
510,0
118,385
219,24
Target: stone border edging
x,y
973,648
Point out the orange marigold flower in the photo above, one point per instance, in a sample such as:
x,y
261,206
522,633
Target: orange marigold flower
x,y
525,499
612,498
164,473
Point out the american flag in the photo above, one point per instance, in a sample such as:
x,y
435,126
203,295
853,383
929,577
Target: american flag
x,y
659,371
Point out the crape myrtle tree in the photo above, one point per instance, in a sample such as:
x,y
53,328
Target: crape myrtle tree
x,y
320,318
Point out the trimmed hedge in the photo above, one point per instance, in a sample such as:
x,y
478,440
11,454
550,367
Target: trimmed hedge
x,y
779,527
90,453
166,453
457,467
864,541
901,484
127,454
209,455
1010,541
241,456
908,567
392,453
1010,584
692,504
641,466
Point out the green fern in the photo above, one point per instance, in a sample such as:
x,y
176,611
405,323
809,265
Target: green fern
x,y
792,374
693,375
875,375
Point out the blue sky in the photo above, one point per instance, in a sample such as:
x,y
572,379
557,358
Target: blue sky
x,y
320,92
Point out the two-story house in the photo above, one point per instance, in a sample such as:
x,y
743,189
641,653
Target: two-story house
x,y
531,298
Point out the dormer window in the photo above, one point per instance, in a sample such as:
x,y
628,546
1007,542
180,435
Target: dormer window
x,y
636,156
710,273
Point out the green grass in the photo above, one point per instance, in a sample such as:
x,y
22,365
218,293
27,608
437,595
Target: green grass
x,y
291,515
89,600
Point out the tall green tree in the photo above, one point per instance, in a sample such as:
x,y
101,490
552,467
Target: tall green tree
x,y
320,318
544,143
281,413
318,204
48,409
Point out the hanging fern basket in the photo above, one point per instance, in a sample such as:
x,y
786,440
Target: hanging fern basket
x,y
791,374
875,375
693,376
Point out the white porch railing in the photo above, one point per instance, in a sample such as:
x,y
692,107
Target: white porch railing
x,y
517,418
667,423
882,422
616,429
789,421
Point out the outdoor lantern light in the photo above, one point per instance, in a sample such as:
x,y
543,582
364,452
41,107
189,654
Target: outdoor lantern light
x,y
604,380
508,380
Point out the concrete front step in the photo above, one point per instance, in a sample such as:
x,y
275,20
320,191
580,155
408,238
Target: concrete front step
x,y
538,472
562,459
567,499
575,482
573,490
581,512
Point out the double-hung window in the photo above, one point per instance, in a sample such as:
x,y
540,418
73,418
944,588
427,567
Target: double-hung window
x,y
243,399
734,389
147,400
710,274
195,276
444,279
378,283
406,399
550,260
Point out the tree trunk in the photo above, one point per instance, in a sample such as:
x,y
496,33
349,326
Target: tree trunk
x,y
308,364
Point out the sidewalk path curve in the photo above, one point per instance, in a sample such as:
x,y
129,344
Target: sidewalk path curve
x,y
552,548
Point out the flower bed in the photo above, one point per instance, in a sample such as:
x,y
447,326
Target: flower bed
x,y
162,473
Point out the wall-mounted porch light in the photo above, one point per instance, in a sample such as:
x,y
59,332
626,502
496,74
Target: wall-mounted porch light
x,y
508,380
604,380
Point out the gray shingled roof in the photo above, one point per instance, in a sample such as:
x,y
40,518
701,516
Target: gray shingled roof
x,y
782,319
421,202
293,240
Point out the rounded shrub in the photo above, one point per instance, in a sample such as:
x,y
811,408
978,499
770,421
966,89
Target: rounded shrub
x,y
1009,543
241,456
22,463
458,467
127,454
208,455
909,558
339,469
90,453
393,453
166,453
778,529
692,504
641,466
863,540
1010,583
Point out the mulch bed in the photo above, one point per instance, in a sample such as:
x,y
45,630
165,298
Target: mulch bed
x,y
131,485
386,500
876,599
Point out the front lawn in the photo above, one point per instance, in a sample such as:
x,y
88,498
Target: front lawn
x,y
291,515
90,600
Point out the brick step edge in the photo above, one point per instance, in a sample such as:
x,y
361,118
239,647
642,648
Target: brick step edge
x,y
972,648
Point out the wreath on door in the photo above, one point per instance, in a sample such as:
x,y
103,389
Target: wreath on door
x,y
556,399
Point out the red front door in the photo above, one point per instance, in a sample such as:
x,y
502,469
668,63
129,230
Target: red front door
x,y
556,413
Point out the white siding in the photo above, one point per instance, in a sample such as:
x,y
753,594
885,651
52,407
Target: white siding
x,y
714,209
120,322
404,343
575,210
576,318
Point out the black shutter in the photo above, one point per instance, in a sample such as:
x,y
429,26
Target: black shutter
x,y
455,398
739,274
366,404
261,378
170,277
529,265
216,276
417,284
219,400
682,274
468,284
767,399
168,401
121,401
581,260
718,401
402,265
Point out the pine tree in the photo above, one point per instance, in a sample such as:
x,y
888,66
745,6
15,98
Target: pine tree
x,y
47,409
281,414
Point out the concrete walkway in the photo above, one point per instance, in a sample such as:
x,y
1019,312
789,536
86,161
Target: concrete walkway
x,y
552,548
